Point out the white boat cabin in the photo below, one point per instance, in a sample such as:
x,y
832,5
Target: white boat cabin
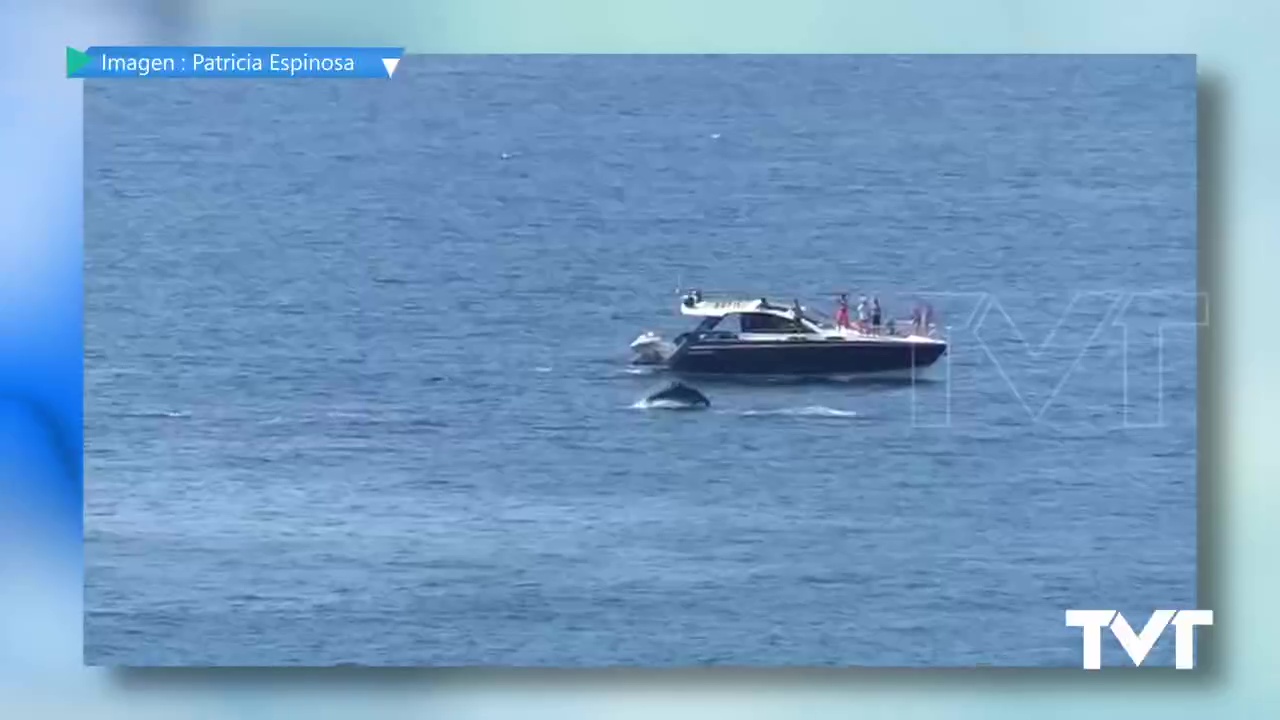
x,y
762,320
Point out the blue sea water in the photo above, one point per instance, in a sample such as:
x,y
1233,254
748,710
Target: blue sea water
x,y
357,386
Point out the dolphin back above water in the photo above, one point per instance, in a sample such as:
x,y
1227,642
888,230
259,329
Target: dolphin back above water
x,y
677,395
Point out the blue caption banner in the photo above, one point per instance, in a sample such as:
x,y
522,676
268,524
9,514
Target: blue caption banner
x,y
233,62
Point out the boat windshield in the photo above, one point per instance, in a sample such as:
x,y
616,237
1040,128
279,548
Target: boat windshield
x,y
708,324
769,323
821,319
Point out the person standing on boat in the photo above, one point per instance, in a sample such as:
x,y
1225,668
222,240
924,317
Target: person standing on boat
x,y
842,312
797,312
875,314
862,312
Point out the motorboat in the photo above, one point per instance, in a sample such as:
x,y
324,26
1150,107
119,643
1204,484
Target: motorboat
x,y
756,337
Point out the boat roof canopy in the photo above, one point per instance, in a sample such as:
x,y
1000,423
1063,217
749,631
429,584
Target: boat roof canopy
x,y
719,308
722,308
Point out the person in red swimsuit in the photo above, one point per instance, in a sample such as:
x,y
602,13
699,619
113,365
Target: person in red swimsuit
x,y
842,312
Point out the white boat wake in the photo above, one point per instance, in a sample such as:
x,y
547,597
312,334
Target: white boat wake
x,y
819,411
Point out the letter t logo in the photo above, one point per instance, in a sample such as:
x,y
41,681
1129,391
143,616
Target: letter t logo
x,y
1092,622
1184,624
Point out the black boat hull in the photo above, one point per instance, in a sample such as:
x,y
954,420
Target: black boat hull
x,y
805,358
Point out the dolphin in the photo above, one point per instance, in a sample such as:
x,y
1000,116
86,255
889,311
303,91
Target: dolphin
x,y
677,395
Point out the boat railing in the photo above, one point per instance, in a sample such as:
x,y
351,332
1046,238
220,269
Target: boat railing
x,y
897,328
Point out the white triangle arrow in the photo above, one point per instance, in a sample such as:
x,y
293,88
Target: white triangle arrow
x,y
390,64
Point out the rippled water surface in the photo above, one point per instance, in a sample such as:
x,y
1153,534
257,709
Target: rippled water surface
x,y
356,362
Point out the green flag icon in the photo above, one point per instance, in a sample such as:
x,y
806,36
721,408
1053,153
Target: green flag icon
x,y
76,60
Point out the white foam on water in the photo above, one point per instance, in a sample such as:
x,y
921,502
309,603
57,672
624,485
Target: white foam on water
x,y
820,411
663,404
159,414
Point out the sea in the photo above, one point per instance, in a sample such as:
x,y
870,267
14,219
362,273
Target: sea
x,y
358,389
